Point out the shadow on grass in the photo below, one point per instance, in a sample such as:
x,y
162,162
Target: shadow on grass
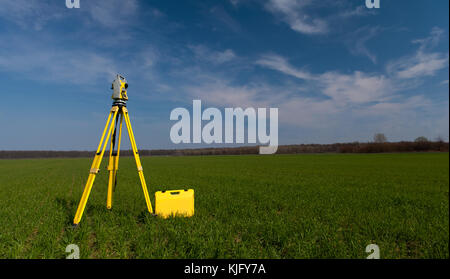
x,y
69,207
144,217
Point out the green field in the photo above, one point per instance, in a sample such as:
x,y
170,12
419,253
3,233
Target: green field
x,y
280,206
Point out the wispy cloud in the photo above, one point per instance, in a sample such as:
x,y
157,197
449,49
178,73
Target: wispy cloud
x,y
46,61
33,14
203,53
357,42
293,13
112,13
219,92
219,14
432,40
359,104
37,13
306,17
357,87
235,2
342,101
420,65
295,110
279,63
374,98
391,107
424,62
357,11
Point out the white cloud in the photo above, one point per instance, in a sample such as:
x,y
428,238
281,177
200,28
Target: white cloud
x,y
407,118
389,108
219,93
235,3
423,63
362,88
112,13
430,41
29,13
203,53
309,112
293,13
358,104
358,11
47,62
37,13
146,58
294,110
318,119
334,99
420,65
225,56
219,15
279,63
355,88
358,40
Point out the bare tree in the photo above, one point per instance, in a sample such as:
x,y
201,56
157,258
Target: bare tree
x,y
439,139
421,139
379,138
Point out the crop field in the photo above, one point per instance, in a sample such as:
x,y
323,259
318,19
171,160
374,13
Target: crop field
x,y
277,206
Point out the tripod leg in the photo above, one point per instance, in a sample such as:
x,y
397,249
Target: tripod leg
x,y
113,164
116,164
95,165
137,159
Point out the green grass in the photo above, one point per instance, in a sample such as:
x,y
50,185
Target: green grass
x,y
281,206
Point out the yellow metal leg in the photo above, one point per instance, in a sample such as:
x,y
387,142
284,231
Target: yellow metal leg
x,y
116,163
137,159
95,165
113,164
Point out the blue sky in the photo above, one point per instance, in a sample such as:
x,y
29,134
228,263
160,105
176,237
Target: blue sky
x,y
336,70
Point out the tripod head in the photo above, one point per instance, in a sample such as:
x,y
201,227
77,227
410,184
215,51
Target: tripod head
x,y
119,87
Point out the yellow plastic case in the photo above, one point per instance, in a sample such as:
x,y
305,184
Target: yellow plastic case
x,y
174,202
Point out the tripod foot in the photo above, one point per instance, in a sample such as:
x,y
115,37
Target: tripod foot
x,y
74,226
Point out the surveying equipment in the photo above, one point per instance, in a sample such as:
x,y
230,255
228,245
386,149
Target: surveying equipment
x,y
168,203
119,87
119,96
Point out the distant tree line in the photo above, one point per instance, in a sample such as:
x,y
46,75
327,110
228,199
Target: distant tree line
x,y
419,145
403,146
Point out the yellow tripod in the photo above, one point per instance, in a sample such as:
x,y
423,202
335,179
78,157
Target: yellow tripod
x,y
118,110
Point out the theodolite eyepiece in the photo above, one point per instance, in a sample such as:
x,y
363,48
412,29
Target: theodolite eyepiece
x,y
119,87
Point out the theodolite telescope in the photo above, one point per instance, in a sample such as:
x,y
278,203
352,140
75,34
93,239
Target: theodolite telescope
x,y
119,87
